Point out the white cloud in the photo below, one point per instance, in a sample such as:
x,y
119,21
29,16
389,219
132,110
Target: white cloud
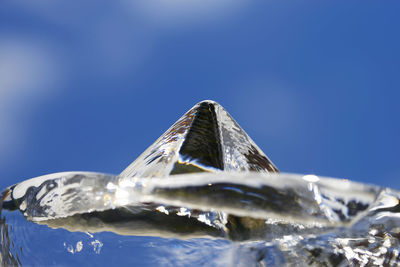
x,y
181,13
26,73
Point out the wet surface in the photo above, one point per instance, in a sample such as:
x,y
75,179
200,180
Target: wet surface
x,y
202,194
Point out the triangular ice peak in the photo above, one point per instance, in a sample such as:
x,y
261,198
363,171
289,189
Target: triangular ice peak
x,y
206,138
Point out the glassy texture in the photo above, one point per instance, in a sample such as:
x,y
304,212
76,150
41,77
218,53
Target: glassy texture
x,y
206,138
202,194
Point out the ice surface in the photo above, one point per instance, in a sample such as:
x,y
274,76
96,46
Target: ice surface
x,y
206,138
202,194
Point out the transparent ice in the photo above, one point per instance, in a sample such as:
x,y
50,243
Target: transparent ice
x,y
202,194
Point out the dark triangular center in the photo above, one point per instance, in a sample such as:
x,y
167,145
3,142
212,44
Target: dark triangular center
x,y
202,144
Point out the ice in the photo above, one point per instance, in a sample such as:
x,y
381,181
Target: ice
x,y
206,138
202,194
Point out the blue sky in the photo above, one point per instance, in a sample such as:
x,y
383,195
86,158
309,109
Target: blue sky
x,y
90,85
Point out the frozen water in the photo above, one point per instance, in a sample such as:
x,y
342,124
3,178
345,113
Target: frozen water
x,y
282,218
202,194
206,138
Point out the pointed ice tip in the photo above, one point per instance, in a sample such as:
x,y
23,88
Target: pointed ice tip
x,y
206,138
207,101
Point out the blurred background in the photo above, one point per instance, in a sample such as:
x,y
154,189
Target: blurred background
x,y
89,85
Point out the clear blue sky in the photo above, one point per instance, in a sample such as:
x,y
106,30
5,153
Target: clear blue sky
x,y
89,85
